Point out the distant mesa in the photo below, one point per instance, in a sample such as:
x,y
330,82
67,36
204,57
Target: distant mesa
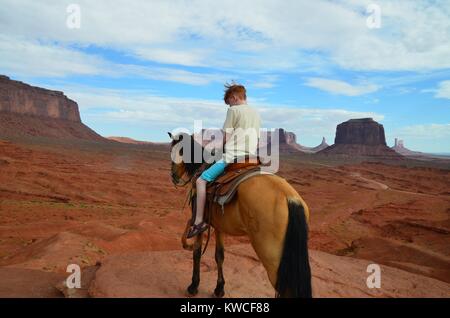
x,y
287,137
320,147
27,110
360,137
400,148
127,140
287,140
288,143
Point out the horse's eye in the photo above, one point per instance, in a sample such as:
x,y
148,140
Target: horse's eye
x,y
181,151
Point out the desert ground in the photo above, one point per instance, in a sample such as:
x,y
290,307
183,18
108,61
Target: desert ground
x,y
112,209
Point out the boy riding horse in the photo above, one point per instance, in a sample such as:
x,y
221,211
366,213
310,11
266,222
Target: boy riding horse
x,y
241,130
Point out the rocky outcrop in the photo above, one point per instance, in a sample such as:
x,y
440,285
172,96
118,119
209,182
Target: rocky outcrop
x,y
20,98
29,283
364,131
287,137
320,147
288,143
27,110
332,276
287,140
360,137
399,147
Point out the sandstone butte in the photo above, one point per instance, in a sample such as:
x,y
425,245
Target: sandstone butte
x,y
26,110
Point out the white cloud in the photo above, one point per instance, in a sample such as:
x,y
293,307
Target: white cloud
x,y
340,87
414,34
169,74
265,81
425,131
31,58
138,105
443,90
195,57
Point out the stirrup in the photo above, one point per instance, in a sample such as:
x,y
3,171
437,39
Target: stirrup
x,y
197,229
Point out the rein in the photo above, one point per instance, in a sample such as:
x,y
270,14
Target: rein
x,y
189,198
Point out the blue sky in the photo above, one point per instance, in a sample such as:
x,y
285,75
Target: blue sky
x,y
141,68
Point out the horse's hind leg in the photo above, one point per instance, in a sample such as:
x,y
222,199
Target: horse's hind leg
x,y
192,290
220,255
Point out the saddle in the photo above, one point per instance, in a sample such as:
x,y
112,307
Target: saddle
x,y
223,189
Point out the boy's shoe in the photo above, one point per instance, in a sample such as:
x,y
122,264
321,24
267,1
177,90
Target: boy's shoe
x,y
197,229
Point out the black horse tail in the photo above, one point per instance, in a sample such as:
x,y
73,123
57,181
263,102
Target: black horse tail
x,y
294,272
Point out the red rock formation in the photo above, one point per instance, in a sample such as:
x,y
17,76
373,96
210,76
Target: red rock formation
x,y
361,137
332,276
287,137
400,148
20,98
363,131
26,110
288,143
320,147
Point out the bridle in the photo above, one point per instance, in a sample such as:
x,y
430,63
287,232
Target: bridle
x,y
176,179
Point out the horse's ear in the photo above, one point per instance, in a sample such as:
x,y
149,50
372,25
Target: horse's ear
x,y
170,135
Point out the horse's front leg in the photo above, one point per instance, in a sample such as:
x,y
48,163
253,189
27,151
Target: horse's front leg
x,y
192,290
220,255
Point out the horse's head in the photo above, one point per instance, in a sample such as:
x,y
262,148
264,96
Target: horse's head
x,y
183,165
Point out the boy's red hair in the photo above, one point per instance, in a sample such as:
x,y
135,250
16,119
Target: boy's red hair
x,y
236,90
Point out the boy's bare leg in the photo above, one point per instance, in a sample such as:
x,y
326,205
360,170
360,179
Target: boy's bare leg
x,y
201,199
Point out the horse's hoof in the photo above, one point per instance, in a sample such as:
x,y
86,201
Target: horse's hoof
x,y
219,293
191,291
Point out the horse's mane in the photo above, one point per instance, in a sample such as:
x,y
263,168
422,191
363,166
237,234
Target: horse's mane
x,y
191,166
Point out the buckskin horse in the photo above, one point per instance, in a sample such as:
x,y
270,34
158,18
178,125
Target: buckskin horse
x,y
269,211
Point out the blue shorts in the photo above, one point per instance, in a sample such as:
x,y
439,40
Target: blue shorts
x,y
214,171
